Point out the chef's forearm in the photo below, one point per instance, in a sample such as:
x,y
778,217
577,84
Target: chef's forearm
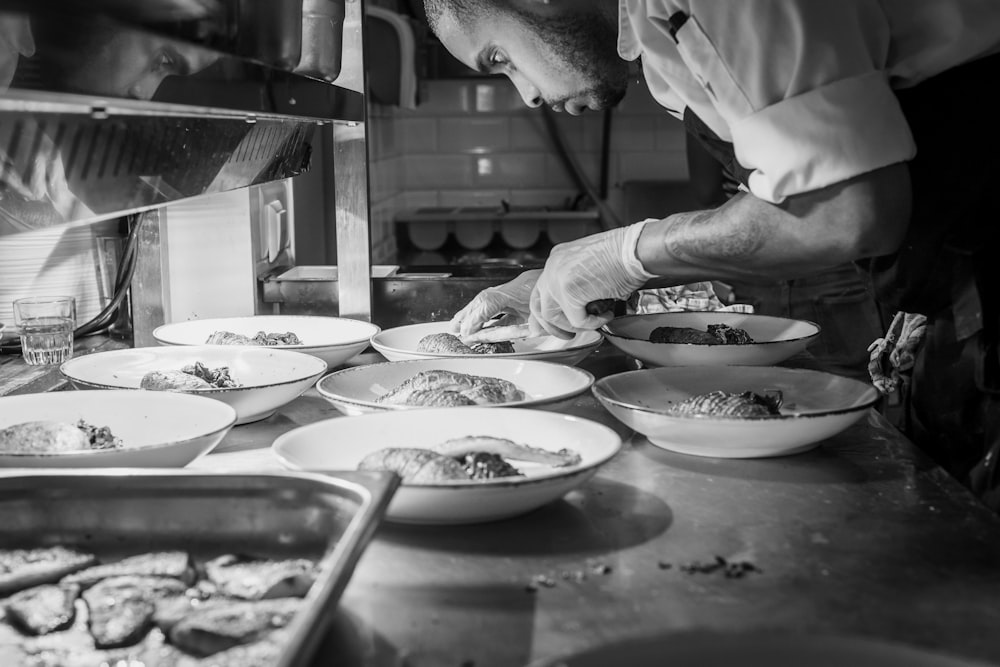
x,y
749,239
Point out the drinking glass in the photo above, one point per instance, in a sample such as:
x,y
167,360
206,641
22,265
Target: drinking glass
x,y
46,325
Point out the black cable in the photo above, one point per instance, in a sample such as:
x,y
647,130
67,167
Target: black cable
x,y
123,280
608,218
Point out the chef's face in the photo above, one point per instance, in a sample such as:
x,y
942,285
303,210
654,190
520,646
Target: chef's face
x,y
568,62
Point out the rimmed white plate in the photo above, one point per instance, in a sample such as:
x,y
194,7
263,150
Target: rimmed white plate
x,y
776,338
335,340
270,378
356,390
815,406
341,443
400,343
157,429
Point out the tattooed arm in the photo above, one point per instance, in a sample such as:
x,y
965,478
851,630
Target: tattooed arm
x,y
750,239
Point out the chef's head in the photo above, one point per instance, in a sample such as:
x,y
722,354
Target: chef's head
x,y
557,52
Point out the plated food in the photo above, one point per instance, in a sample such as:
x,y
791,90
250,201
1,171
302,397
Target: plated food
x,y
735,411
473,457
449,343
438,387
114,428
714,334
713,337
483,380
435,340
255,381
259,338
552,453
49,436
192,377
335,340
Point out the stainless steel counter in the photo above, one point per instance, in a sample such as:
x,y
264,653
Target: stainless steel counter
x,y
862,536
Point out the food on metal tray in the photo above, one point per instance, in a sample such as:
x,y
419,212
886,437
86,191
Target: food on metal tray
x,y
744,405
268,339
256,579
716,334
163,608
451,344
120,609
24,568
46,436
196,376
463,459
439,387
176,564
42,609
208,630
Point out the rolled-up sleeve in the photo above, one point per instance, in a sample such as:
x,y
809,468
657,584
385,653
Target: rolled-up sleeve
x,y
823,136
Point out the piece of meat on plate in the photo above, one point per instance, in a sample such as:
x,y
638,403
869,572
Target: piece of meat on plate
x,y
443,343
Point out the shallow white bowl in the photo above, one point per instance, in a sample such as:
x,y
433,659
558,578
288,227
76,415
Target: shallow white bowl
x,y
341,443
270,378
815,406
400,343
777,339
355,390
157,429
335,340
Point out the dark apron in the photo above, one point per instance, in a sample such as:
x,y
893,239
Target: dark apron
x,y
945,269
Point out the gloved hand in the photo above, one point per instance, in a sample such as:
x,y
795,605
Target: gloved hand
x,y
512,298
596,267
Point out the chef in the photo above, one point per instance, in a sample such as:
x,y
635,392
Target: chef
x,y
859,131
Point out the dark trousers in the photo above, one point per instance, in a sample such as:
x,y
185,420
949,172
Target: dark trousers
x,y
947,270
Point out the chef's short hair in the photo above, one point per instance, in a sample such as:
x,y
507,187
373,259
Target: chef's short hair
x,y
464,11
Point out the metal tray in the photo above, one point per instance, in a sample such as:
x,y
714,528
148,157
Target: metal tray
x,y
115,512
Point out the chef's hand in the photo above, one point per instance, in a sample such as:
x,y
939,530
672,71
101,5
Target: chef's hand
x,y
512,298
595,268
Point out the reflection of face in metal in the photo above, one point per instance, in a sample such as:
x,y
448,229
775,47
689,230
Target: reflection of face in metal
x,y
133,65
103,58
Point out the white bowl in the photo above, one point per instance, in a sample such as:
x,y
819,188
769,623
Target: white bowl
x,y
335,340
355,390
776,338
815,406
341,443
157,429
270,378
400,343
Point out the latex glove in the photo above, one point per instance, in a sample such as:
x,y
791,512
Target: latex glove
x,y
512,299
596,267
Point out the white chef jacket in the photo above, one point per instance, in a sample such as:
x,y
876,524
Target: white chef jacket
x,y
803,88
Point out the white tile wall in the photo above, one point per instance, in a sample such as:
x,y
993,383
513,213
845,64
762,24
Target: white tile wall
x,y
474,143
